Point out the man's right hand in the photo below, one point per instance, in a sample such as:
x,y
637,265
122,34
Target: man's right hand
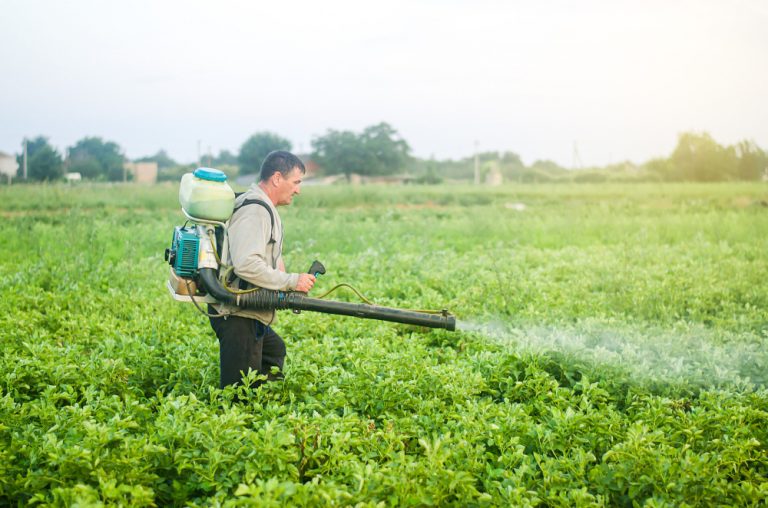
x,y
306,281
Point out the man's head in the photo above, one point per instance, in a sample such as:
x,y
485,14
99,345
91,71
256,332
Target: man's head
x,y
280,176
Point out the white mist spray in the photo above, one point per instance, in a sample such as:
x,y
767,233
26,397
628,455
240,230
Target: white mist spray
x,y
691,355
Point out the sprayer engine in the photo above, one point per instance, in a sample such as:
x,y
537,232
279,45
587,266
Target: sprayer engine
x,y
182,255
194,259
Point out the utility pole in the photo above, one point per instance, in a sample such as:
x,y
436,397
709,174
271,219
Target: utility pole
x,y
577,164
198,154
210,157
477,166
25,159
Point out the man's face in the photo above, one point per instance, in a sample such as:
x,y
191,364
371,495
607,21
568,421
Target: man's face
x,y
287,186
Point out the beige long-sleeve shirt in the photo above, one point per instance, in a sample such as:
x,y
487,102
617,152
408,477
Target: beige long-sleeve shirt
x,y
254,250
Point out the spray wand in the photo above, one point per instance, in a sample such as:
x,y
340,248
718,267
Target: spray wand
x,y
268,299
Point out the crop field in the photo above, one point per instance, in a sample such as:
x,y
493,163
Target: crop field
x,y
612,350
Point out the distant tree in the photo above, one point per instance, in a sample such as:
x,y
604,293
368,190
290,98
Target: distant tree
x,y
93,158
698,157
484,157
548,166
589,176
388,153
227,158
463,169
161,157
339,152
378,150
752,161
174,173
511,165
430,177
511,158
43,161
660,169
532,175
256,148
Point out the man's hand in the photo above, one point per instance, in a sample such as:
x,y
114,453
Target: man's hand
x,y
306,281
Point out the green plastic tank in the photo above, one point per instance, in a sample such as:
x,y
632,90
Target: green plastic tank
x,y
205,194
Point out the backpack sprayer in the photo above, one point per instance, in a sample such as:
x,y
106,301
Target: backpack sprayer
x,y
208,202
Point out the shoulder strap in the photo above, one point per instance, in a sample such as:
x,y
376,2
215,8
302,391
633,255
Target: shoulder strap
x,y
269,210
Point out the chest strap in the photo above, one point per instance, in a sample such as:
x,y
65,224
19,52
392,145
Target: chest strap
x,y
266,206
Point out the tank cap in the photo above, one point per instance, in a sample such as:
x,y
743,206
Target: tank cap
x,y
210,174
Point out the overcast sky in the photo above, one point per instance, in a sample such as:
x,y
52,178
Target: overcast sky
x,y
620,79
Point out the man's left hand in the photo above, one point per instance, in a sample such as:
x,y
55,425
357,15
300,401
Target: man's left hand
x,y
306,281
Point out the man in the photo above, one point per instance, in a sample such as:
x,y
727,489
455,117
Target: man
x,y
254,250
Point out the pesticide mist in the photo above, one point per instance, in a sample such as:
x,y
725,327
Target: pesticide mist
x,y
688,355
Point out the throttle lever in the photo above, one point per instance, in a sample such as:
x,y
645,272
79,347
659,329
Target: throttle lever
x,y
316,269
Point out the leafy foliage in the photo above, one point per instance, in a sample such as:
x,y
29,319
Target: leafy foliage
x,y
43,161
107,387
699,157
96,159
752,161
378,150
256,148
162,158
696,158
225,158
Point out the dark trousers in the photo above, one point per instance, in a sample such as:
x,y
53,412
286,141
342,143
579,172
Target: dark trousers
x,y
247,344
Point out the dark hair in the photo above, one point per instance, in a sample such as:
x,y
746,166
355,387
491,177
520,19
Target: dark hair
x,y
279,161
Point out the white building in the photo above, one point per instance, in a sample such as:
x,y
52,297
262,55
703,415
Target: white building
x,y
8,165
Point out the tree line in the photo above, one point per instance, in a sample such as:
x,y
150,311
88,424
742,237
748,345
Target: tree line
x,y
377,150
697,157
380,150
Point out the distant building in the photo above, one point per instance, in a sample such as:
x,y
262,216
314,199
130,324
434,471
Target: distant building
x,y
73,177
493,176
143,172
309,164
8,165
